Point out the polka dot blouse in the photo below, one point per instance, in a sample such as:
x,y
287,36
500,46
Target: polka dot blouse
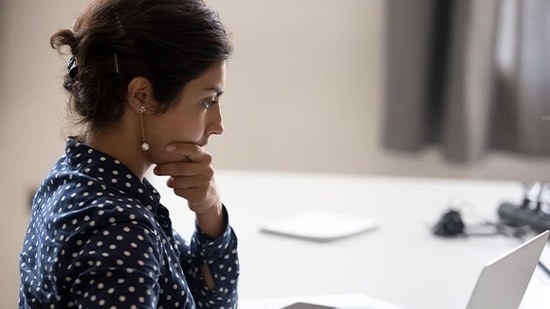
x,y
98,237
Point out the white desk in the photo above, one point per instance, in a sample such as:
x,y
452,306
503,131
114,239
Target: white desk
x,y
400,262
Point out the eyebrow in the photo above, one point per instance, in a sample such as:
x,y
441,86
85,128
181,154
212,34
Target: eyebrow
x,y
218,91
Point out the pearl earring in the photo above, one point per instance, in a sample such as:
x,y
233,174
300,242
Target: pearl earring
x,y
144,144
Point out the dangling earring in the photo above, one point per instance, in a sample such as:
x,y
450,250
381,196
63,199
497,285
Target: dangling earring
x,y
144,144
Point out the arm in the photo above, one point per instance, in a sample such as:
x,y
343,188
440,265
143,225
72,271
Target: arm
x,y
211,258
192,177
211,266
117,265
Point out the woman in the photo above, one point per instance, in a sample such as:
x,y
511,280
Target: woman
x,y
144,80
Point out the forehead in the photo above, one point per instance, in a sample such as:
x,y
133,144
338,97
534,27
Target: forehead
x,y
211,80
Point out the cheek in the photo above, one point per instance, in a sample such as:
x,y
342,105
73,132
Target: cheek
x,y
188,128
162,135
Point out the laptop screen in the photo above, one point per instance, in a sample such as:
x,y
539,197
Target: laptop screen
x,y
503,281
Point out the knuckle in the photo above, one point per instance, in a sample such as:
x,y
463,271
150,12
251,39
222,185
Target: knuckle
x,y
196,148
207,158
209,173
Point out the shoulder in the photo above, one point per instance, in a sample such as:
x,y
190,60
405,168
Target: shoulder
x,y
77,202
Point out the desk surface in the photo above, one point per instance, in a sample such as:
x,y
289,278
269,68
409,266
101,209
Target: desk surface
x,y
400,262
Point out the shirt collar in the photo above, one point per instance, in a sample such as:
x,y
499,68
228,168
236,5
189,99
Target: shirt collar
x,y
111,172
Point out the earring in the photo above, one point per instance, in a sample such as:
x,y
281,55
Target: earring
x,y
144,144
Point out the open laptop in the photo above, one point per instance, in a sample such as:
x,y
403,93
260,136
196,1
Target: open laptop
x,y
503,281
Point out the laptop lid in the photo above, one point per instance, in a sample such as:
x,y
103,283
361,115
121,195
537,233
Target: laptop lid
x,y
503,281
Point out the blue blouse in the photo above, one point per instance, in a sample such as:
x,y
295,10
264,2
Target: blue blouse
x,y
99,237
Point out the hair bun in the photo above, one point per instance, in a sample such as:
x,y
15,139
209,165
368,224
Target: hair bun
x,y
64,37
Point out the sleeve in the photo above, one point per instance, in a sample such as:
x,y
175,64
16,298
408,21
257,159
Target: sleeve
x,y
219,256
117,266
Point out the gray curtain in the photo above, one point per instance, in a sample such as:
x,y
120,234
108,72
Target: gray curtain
x,y
470,76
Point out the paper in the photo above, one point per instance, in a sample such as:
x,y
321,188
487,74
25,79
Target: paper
x,y
320,226
340,301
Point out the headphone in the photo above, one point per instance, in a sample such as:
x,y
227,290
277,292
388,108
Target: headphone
x,y
450,224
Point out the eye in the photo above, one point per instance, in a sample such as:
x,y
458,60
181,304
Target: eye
x,y
209,102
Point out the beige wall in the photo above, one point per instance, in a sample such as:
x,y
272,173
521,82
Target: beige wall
x,y
304,92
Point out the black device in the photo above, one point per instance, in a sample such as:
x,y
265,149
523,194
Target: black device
x,y
531,212
521,215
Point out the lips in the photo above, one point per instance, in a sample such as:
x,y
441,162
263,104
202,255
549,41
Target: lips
x,y
203,143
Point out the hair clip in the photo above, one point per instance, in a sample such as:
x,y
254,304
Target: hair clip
x,y
72,67
116,64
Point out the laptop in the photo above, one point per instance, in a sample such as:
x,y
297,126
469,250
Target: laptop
x,y
503,281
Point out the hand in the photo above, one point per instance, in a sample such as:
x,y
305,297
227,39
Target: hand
x,y
193,179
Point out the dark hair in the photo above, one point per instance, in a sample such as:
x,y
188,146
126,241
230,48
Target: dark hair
x,y
169,42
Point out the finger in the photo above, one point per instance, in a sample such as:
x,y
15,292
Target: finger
x,y
196,198
178,169
192,195
188,182
192,151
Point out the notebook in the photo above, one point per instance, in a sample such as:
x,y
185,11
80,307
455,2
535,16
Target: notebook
x,y
503,281
320,226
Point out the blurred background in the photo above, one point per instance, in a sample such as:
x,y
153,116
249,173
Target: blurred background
x,y
424,88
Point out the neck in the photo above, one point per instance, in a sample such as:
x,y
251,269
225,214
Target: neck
x,y
122,146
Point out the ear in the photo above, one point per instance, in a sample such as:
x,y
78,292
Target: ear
x,y
140,92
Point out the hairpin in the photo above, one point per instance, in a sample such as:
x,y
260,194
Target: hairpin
x,y
72,67
116,64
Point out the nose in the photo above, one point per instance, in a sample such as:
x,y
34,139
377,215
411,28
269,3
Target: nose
x,y
215,122
216,129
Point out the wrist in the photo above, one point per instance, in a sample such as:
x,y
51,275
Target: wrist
x,y
211,222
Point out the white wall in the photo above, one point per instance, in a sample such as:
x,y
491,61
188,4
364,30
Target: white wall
x,y
304,92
